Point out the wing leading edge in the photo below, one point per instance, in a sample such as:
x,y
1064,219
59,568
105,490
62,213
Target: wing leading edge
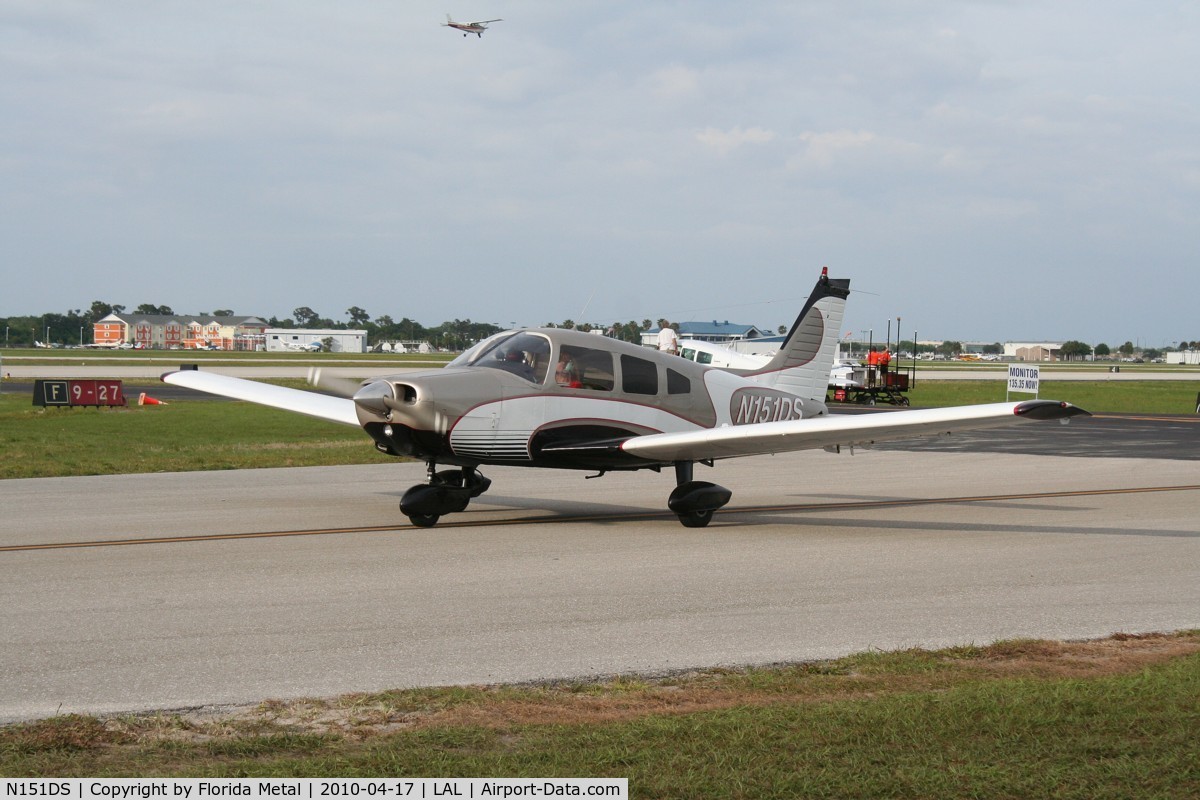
x,y
334,409
842,430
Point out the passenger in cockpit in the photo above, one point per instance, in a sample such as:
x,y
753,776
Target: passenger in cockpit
x,y
566,374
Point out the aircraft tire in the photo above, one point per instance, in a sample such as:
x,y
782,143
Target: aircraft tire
x,y
695,519
423,520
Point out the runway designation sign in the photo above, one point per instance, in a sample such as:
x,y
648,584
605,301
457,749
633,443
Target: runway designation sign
x,y
1023,379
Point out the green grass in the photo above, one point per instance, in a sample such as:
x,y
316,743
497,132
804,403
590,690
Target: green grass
x,y
182,436
206,434
1110,719
372,363
1113,397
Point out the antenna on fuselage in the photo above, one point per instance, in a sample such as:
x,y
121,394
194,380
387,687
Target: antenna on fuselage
x,y
583,310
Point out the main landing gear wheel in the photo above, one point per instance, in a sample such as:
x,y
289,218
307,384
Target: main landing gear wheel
x,y
695,501
695,519
423,520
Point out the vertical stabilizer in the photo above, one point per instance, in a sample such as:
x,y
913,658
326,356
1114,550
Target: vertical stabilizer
x,y
803,363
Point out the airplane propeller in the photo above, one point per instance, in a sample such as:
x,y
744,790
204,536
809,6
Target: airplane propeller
x,y
342,387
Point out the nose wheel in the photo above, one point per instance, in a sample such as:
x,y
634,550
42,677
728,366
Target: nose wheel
x,y
446,492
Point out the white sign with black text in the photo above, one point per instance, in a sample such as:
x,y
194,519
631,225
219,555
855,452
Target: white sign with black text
x,y
1023,379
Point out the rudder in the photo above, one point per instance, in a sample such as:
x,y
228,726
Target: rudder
x,y
804,362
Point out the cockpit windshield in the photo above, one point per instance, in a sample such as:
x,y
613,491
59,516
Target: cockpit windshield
x,y
526,355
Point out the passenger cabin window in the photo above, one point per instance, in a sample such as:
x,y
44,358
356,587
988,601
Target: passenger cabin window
x,y
584,368
678,384
638,376
526,355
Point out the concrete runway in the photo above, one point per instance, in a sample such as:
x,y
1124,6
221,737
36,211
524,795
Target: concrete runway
x,y
550,575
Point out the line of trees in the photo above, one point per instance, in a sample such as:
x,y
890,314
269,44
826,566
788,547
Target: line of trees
x,y
75,327
1072,350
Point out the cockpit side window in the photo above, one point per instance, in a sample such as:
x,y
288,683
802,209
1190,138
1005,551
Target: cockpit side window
x,y
638,375
526,355
677,384
584,368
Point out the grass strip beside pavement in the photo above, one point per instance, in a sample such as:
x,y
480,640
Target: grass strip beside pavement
x,y
201,434
1109,718
183,436
1113,397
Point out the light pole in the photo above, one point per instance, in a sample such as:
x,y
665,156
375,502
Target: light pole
x,y
914,374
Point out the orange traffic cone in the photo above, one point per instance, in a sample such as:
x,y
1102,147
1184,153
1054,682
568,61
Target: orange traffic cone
x,y
146,400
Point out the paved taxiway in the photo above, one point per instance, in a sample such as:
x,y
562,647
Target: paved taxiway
x,y
550,575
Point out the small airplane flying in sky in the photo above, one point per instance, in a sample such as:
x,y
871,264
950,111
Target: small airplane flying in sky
x,y
564,399
476,28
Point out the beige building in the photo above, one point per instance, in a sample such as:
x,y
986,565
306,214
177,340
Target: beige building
x,y
1032,351
179,331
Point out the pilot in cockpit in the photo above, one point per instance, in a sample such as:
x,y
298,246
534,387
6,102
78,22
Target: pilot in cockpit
x,y
514,362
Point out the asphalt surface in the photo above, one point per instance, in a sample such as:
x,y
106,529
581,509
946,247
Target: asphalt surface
x,y
139,592
165,591
1100,436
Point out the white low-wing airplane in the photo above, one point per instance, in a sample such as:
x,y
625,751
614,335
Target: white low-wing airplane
x,y
476,28
716,355
551,397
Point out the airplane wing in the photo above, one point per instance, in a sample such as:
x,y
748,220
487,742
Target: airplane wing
x,y
843,430
334,409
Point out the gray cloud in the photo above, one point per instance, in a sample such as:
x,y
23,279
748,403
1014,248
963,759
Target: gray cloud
x,y
987,170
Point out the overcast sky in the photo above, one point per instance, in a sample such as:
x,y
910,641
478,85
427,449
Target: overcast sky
x,y
986,171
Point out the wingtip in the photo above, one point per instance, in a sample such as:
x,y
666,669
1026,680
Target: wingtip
x,y
1049,409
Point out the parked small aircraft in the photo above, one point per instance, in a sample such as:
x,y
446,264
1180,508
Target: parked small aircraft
x,y
307,347
551,397
476,28
841,375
